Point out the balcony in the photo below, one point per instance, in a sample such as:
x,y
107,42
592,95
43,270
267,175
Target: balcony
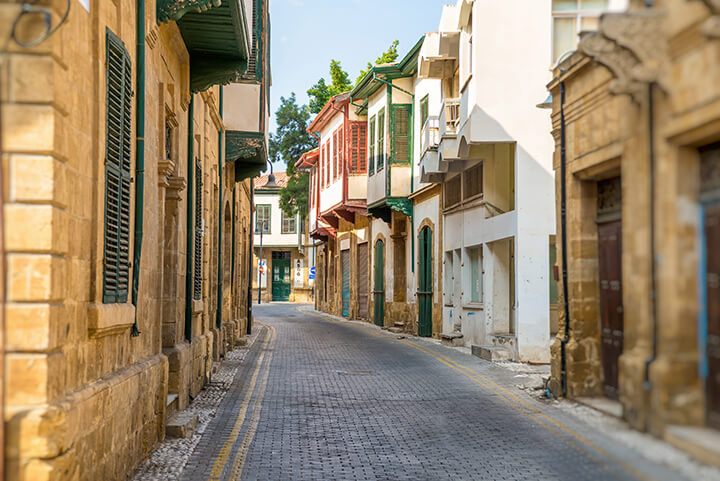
x,y
439,54
430,134
449,118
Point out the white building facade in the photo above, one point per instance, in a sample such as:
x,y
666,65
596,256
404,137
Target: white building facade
x,y
494,160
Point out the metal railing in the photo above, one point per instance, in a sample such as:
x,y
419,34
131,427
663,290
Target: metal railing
x,y
430,135
449,117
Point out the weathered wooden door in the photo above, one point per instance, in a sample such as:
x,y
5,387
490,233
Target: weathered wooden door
x,y
609,224
425,284
711,276
611,305
345,282
362,280
379,285
281,276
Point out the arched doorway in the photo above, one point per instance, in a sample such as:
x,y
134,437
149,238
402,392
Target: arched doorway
x,y
425,283
379,284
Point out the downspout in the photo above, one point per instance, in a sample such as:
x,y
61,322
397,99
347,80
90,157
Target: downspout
x,y
139,157
232,259
250,256
647,385
190,225
218,320
563,243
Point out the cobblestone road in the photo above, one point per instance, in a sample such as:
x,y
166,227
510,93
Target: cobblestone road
x,y
320,399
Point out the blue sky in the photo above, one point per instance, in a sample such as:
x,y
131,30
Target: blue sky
x,y
306,34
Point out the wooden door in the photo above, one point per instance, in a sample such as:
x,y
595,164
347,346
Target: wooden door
x,y
345,282
425,284
362,281
281,276
711,275
611,303
379,285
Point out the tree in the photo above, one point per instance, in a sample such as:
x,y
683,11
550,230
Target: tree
x,y
321,92
287,144
388,56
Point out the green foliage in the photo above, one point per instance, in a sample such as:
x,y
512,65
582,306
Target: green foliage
x,y
321,92
388,56
287,144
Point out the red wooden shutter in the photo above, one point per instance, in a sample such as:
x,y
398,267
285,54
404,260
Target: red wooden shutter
x,y
362,147
354,132
341,149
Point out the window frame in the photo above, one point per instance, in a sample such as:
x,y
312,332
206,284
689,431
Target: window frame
x,y
371,144
578,14
380,149
286,218
269,218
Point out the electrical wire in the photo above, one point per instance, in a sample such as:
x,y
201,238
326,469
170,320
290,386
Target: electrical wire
x,y
31,8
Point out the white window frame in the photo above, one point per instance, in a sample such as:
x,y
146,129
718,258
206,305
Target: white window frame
x,y
578,15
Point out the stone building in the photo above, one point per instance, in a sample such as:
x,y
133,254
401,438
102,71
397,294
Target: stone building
x,y
286,253
127,209
636,121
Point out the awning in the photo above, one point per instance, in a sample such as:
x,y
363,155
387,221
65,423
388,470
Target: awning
x,y
248,151
216,35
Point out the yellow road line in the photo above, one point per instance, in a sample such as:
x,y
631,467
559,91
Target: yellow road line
x,y
239,461
224,453
538,416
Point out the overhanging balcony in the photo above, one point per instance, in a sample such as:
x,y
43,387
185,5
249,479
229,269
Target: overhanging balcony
x,y
439,55
430,134
449,118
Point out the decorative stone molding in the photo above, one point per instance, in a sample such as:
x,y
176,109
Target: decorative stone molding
x,y
166,168
618,60
632,46
175,186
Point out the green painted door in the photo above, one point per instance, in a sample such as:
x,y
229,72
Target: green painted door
x,y
281,276
425,284
379,285
345,283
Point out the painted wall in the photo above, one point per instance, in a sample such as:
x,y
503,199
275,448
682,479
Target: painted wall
x,y
376,182
275,237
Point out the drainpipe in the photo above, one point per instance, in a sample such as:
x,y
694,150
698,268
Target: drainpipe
x,y
139,157
250,256
218,320
563,242
647,385
190,225
232,260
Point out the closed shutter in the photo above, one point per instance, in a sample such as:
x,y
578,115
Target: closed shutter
x,y
118,145
400,134
371,167
341,149
358,148
197,255
335,155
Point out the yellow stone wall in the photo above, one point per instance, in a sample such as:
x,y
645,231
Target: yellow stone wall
x,y
608,133
85,400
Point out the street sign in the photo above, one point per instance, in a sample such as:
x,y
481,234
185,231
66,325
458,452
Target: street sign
x,y
312,273
261,269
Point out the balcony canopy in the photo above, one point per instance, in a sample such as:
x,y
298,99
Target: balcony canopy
x,y
248,150
373,80
216,35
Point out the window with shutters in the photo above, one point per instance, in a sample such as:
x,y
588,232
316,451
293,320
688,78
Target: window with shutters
x,y
341,149
371,151
380,148
335,155
328,163
197,248
423,110
118,144
358,148
452,192
262,218
400,134
472,182
288,223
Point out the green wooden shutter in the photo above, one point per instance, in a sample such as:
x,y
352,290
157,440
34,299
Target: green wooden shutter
x,y
118,148
197,274
400,134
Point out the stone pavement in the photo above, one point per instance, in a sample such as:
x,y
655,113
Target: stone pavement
x,y
320,399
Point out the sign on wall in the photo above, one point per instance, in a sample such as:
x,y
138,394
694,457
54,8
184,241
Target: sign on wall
x,y
312,273
298,273
262,271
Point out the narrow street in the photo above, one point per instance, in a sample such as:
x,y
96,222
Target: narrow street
x,y
320,399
